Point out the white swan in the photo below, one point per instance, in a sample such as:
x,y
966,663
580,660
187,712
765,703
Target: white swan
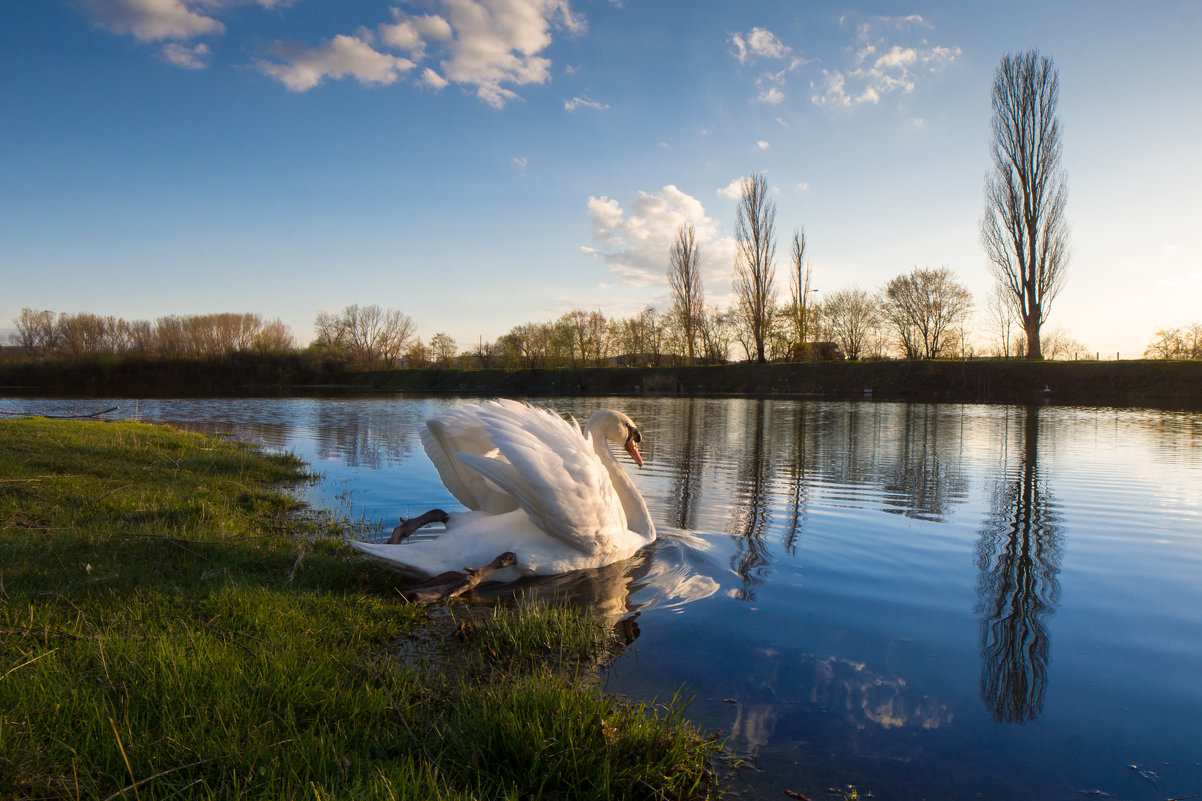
x,y
535,485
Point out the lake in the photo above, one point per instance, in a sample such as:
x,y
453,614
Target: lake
x,y
921,600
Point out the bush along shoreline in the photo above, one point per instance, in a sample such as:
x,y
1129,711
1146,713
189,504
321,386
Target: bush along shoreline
x,y
1114,383
174,624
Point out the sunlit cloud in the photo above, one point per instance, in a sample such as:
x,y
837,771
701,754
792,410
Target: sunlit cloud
x,y
635,244
485,45
762,145
300,67
733,190
159,20
152,20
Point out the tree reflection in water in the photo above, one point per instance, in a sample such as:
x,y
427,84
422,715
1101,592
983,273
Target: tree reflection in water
x,y
1018,556
750,507
686,486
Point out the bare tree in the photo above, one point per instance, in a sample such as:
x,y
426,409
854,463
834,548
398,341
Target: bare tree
x,y
799,290
755,251
1176,343
34,331
925,310
443,349
851,318
1000,319
367,335
1025,230
717,333
684,276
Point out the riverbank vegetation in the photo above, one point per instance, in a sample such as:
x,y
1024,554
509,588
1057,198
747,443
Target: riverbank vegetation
x,y
173,625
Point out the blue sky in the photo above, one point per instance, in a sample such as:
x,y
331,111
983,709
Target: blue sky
x,y
483,163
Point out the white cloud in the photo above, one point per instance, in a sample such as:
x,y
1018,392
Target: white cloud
x,y
584,102
488,44
152,20
733,190
879,67
762,145
763,44
758,43
771,95
301,67
434,80
635,245
803,186
189,57
520,161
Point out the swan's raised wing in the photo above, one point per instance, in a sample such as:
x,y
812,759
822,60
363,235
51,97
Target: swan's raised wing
x,y
550,470
462,431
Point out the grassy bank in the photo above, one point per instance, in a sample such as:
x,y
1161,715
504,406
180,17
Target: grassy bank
x,y
172,627
1116,383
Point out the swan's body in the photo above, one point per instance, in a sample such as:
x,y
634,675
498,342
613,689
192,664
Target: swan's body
x,y
533,484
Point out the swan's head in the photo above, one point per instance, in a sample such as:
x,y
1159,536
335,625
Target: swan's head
x,y
618,427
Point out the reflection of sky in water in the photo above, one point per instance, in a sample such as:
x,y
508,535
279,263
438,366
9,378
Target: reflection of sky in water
x,y
923,600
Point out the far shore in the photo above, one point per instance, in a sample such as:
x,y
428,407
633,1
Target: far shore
x,y
1088,383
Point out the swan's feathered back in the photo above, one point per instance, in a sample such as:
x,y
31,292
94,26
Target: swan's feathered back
x,y
551,471
463,431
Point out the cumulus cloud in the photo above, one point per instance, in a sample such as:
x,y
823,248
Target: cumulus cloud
x,y
301,67
880,67
152,20
487,46
434,80
733,190
173,21
762,145
635,244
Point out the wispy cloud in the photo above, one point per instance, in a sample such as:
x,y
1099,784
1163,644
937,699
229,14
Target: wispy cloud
x,y
763,145
881,66
760,44
584,102
635,244
190,57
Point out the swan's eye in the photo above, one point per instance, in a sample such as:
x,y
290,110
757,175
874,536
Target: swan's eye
x,y
633,434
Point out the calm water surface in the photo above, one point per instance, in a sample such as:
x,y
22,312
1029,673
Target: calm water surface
x,y
925,601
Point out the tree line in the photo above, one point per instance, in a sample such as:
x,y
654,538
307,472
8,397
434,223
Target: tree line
x,y
43,333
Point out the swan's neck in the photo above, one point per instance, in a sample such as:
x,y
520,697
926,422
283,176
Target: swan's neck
x,y
638,517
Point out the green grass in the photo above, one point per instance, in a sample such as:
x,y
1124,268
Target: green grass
x,y
162,636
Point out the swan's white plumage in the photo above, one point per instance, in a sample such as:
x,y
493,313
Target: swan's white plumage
x,y
534,484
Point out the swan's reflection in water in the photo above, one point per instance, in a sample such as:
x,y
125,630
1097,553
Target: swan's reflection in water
x,y
670,573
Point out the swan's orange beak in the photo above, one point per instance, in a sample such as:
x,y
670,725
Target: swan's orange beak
x,y
632,447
